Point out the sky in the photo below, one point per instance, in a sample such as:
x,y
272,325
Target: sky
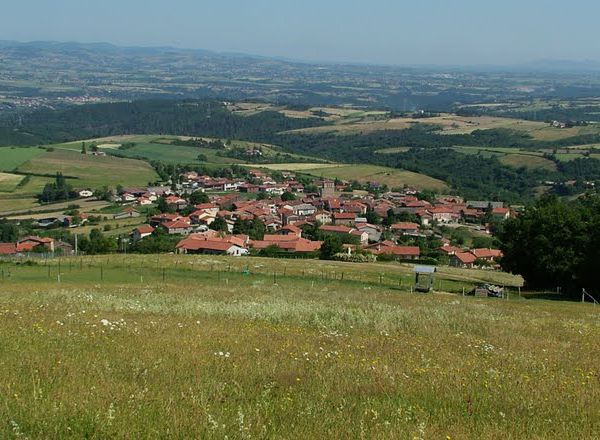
x,y
437,32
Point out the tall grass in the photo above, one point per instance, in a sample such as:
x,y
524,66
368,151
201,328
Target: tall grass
x,y
209,354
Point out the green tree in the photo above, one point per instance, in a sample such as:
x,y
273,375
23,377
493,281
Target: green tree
x,y
331,245
198,197
219,224
288,196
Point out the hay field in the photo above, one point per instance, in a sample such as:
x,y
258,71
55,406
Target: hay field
x,y
9,182
201,353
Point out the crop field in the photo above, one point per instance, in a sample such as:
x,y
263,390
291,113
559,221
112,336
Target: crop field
x,y
392,177
9,182
91,171
448,124
122,348
12,158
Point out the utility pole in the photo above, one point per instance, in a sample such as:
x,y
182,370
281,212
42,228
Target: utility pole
x,y
76,235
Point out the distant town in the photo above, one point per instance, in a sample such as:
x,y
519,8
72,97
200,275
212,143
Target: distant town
x,y
274,214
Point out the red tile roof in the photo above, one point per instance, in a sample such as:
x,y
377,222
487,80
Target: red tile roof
x,y
465,257
487,253
8,248
405,226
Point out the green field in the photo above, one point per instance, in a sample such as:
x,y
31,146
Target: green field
x,y
91,171
122,349
12,158
392,177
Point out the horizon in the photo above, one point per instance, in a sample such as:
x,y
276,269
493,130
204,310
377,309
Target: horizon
x,y
524,64
464,33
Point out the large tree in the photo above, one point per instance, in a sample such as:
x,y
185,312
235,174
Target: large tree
x,y
555,244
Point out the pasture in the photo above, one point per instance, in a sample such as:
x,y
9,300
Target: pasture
x,y
117,349
12,158
91,171
392,177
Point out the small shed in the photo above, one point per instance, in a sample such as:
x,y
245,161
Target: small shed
x,y
424,278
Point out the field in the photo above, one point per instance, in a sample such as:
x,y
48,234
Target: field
x,y
13,158
91,171
9,182
115,352
528,161
368,122
392,177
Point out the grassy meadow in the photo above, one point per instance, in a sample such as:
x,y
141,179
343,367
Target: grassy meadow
x,y
113,350
392,177
12,158
91,171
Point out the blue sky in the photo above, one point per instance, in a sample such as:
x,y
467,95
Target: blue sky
x,y
376,31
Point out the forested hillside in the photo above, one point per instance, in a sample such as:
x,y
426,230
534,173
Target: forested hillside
x,y
429,152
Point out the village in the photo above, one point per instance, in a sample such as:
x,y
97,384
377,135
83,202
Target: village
x,y
267,216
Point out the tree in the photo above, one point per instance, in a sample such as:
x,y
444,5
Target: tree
x,y
551,244
97,243
158,242
57,191
198,197
271,251
331,245
83,148
9,232
163,206
287,196
219,224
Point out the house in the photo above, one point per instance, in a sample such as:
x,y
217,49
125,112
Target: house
x,y
463,259
27,244
406,228
398,252
344,218
8,248
212,244
484,204
210,247
126,213
291,230
177,227
489,255
176,202
443,214
289,243
324,217
449,250
501,213
304,209
158,219
373,231
142,231
85,193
